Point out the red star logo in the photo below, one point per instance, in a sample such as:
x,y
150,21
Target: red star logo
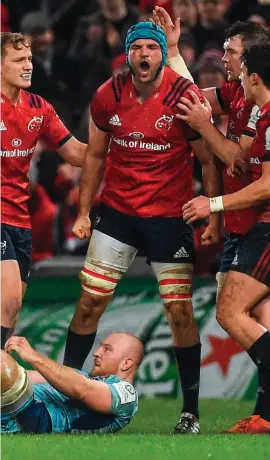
x,y
223,349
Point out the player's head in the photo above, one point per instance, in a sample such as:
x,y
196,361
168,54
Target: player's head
x,y
255,70
119,354
146,50
16,60
239,37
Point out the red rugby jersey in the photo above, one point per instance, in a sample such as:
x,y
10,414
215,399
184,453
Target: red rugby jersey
x,y
21,127
260,152
232,101
150,162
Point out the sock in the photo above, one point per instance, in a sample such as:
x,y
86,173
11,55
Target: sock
x,y
188,361
78,347
261,350
4,335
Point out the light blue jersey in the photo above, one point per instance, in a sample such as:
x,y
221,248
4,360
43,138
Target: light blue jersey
x,y
70,416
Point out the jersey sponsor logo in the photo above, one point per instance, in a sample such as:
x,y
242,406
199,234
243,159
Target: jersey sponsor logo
x,y
16,153
3,246
181,253
115,120
2,126
16,142
231,124
254,117
255,161
141,145
267,138
164,122
35,123
136,135
126,392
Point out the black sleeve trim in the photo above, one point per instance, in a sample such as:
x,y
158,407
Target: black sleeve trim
x,y
105,130
196,137
266,156
220,100
249,133
65,139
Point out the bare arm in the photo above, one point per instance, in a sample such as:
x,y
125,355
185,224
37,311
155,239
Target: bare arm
x,y
36,377
93,167
73,152
198,116
212,174
252,195
94,394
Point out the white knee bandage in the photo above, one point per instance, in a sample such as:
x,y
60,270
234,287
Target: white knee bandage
x,y
18,394
175,281
106,261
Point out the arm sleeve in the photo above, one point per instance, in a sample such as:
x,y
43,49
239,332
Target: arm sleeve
x,y
55,134
267,145
99,111
178,64
224,96
250,117
123,394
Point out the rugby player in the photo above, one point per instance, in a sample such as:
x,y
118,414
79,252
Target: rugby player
x,y
248,280
148,178
26,119
58,399
235,148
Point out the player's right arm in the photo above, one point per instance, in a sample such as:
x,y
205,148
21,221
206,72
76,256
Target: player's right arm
x,y
198,116
91,177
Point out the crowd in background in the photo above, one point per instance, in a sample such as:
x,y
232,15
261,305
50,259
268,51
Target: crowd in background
x,y
77,45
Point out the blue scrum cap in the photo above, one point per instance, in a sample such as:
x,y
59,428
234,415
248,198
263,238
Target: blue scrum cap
x,y
147,29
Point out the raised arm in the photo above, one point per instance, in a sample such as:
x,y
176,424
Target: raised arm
x,y
91,177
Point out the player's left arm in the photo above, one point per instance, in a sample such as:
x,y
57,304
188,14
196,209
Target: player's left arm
x,y
96,395
57,136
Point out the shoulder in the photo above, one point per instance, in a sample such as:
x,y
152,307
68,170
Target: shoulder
x,y
177,87
113,88
35,101
122,389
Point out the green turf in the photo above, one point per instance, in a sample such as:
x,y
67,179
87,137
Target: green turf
x,y
149,437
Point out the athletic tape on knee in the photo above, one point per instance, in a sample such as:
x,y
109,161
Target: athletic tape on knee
x,y
99,280
174,286
18,394
220,279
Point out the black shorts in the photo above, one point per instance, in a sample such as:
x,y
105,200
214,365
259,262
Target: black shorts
x,y
16,244
230,247
159,239
253,255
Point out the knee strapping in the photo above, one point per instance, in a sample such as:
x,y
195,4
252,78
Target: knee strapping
x,y
176,285
220,279
20,392
99,280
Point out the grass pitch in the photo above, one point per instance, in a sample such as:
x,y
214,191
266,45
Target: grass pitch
x,y
149,437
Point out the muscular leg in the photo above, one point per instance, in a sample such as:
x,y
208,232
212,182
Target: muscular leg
x,y
11,296
260,312
175,290
106,261
239,294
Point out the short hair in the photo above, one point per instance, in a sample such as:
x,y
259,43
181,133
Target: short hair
x,y
248,31
256,59
15,40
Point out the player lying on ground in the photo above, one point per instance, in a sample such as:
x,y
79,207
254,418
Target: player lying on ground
x,y
248,281
148,175
58,399
26,119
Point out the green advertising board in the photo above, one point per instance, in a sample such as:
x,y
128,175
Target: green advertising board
x,y
226,372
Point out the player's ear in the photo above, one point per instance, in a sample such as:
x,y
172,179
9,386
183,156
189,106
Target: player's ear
x,y
127,363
